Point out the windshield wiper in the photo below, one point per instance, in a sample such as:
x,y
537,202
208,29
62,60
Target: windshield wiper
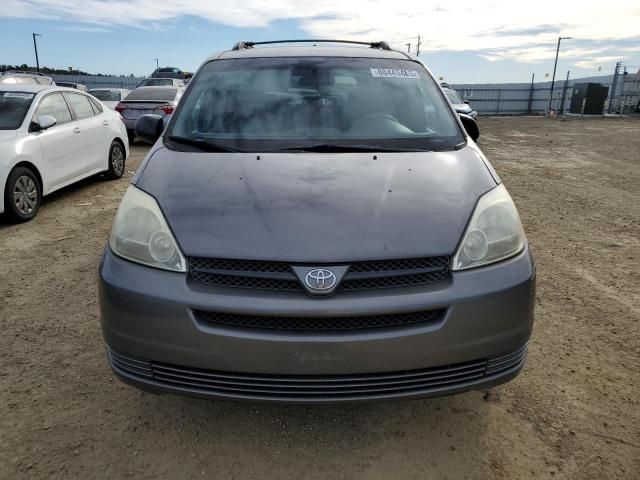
x,y
202,144
334,148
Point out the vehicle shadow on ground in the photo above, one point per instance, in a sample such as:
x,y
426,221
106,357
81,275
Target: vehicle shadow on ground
x,y
424,433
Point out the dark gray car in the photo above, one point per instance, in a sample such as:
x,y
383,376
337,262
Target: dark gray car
x,y
315,224
170,72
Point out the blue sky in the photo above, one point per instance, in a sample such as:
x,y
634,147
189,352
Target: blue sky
x,y
491,43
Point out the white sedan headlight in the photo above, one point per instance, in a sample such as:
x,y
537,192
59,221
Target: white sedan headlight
x,y
141,234
493,234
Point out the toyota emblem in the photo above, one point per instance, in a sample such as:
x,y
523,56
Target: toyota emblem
x,y
320,279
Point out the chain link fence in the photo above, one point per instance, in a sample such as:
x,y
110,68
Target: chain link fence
x,y
528,98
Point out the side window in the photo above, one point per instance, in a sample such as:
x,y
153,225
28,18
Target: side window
x,y
55,106
80,105
96,106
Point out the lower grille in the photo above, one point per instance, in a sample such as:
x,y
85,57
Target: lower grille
x,y
319,387
317,324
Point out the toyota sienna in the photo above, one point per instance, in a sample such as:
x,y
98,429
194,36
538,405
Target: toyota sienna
x,y
315,224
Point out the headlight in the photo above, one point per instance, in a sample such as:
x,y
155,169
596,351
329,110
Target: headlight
x,y
494,232
141,234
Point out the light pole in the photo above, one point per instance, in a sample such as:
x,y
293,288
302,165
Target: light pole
x,y
156,63
35,47
553,79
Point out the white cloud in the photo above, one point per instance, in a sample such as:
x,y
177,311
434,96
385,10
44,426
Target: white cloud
x,y
85,28
539,54
595,62
502,29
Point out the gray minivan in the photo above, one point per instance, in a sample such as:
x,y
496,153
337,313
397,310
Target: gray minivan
x,y
315,224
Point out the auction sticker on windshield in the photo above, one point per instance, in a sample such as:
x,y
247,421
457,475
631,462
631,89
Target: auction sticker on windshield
x,y
393,73
19,94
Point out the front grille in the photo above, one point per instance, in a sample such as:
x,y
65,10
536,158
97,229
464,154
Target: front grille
x,y
320,324
244,274
278,276
315,387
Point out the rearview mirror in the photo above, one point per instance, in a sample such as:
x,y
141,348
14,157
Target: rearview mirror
x,y
149,127
465,101
470,125
44,122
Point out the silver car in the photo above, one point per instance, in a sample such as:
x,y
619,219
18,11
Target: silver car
x,y
459,105
315,224
160,101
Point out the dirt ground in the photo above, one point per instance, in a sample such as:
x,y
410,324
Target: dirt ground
x,y
573,413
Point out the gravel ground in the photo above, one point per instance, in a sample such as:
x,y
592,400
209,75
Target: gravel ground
x,y
574,412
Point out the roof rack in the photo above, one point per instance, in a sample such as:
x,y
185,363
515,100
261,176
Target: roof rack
x,y
245,45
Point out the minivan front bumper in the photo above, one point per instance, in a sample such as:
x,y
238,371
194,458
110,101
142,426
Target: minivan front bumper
x,y
155,341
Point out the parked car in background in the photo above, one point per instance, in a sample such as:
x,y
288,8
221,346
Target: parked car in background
x,y
315,224
25,78
461,106
162,82
51,137
110,96
76,86
170,72
158,100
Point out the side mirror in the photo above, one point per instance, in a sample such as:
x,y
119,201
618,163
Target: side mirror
x,y
465,101
149,127
44,122
470,125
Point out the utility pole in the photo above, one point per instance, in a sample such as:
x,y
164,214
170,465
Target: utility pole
x,y
408,47
418,47
35,47
614,84
564,92
156,63
553,79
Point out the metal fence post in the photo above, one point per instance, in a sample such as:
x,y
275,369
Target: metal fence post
x,y
613,87
533,75
564,93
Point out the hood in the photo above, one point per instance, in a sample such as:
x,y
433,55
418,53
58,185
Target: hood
x,y
316,207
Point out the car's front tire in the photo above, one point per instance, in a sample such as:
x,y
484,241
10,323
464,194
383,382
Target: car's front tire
x,y
22,195
117,157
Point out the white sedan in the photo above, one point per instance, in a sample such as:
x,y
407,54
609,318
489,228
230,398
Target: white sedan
x,y
51,137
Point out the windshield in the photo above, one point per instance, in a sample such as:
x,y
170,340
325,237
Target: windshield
x,y
156,82
278,103
106,95
13,108
453,97
153,94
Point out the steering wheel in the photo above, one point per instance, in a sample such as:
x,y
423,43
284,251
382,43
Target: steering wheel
x,y
373,116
